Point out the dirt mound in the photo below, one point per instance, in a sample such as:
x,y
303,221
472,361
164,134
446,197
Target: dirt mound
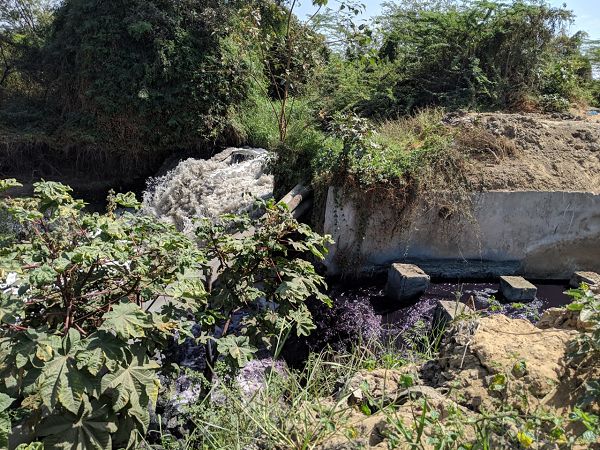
x,y
487,367
554,152
496,348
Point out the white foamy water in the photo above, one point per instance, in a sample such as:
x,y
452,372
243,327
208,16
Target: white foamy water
x,y
227,183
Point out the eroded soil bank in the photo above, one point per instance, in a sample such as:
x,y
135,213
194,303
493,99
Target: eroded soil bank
x,y
559,152
492,373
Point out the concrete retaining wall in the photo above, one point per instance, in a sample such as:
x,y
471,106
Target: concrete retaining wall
x,y
536,234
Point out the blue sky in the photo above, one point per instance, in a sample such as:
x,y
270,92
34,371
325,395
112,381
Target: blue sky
x,y
587,12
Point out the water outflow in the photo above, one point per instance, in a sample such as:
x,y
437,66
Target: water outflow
x,y
229,182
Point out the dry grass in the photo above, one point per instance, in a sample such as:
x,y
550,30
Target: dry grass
x,y
481,143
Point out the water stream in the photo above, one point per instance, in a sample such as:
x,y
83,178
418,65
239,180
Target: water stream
x,y
481,293
229,182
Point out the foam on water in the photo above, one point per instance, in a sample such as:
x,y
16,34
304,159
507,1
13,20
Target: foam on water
x,y
229,182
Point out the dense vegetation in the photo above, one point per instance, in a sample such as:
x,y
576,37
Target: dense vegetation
x,y
83,315
139,80
94,306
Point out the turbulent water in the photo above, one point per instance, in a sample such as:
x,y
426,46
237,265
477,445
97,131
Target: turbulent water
x,y
229,182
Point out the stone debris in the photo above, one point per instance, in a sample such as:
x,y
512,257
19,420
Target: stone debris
x,y
562,319
380,387
406,282
447,311
589,278
483,362
498,345
517,289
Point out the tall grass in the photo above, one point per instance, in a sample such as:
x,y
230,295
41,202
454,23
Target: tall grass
x,y
295,409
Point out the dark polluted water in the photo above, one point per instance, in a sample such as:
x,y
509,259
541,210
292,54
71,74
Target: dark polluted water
x,y
481,294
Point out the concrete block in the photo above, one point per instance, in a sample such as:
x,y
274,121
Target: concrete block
x,y
517,289
448,310
589,278
406,282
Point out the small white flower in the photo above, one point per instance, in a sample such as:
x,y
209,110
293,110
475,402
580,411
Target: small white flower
x,y
11,278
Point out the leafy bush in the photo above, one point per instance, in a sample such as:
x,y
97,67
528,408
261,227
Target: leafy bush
x,y
78,318
139,78
478,54
595,93
293,159
554,103
396,153
84,310
262,280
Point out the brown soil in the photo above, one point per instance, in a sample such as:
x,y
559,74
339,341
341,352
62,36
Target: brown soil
x,y
553,152
540,378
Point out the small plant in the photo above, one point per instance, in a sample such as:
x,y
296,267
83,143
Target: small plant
x,y
292,410
586,348
423,341
554,103
494,305
591,422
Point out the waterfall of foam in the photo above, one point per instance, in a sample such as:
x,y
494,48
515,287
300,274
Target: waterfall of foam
x,y
229,182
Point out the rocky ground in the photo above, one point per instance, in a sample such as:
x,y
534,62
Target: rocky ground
x,y
551,152
488,365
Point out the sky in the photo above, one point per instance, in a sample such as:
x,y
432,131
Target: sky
x,y
587,12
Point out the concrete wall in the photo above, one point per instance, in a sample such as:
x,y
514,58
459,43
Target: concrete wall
x,y
536,234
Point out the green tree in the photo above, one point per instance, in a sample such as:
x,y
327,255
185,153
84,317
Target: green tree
x,y
475,53
144,75
23,25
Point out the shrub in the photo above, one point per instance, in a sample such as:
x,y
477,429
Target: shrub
x,y
78,318
586,348
293,160
391,156
147,76
479,54
262,280
84,310
554,103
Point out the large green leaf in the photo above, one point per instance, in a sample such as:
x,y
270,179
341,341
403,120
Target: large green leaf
x,y
136,385
52,195
127,200
90,429
102,348
60,380
9,183
237,348
303,320
10,309
128,320
5,402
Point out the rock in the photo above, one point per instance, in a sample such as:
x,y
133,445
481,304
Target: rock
x,y
406,282
254,375
589,278
360,432
584,135
447,310
379,387
251,379
517,289
594,147
563,319
496,345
